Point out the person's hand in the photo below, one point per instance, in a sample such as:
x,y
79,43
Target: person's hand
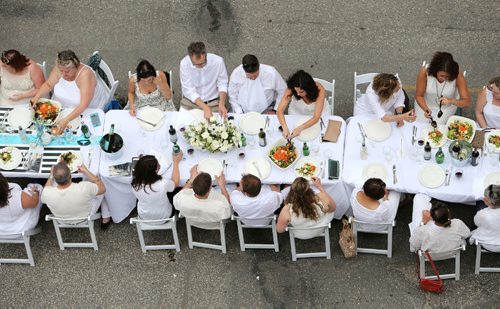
x,y
16,97
426,216
176,158
271,112
157,81
193,172
296,132
409,116
285,133
400,123
61,125
34,100
316,181
207,113
34,190
446,101
132,111
223,111
428,114
221,180
83,169
386,195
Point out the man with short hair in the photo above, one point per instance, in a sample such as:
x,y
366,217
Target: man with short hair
x,y
200,204
255,87
252,200
204,81
68,199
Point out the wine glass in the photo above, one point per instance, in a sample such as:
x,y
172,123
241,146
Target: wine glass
x,y
387,151
459,173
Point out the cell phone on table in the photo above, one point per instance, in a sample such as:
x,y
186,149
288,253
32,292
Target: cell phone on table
x,y
333,169
94,118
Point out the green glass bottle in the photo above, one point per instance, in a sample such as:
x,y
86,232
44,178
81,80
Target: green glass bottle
x,y
440,156
305,149
243,140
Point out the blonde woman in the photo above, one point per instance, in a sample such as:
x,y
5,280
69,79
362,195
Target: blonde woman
x,y
488,105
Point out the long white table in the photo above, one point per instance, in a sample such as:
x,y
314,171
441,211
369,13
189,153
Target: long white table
x,y
120,199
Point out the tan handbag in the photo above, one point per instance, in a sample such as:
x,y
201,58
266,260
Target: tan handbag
x,y
346,241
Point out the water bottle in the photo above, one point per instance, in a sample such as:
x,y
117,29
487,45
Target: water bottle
x,y
427,151
68,135
173,134
23,135
363,153
176,149
262,138
85,130
243,140
440,156
305,149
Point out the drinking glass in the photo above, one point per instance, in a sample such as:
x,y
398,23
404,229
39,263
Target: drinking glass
x,y
315,149
241,153
387,151
459,173
164,145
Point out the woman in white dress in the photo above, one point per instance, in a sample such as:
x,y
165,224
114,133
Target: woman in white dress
x,y
384,99
19,209
148,87
74,85
306,209
304,96
488,105
441,83
487,220
20,78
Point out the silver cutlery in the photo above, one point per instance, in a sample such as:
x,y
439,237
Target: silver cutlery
x,y
413,135
447,173
257,168
90,158
322,164
147,122
224,166
394,177
266,125
322,123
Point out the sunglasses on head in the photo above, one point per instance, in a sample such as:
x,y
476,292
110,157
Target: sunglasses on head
x,y
4,58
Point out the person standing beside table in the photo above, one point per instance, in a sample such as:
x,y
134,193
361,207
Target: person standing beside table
x,y
204,81
385,99
304,96
440,83
255,87
488,105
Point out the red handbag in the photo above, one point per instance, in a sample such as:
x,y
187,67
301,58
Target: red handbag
x,y
429,285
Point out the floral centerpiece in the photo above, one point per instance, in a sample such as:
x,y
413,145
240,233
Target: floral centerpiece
x,y
214,136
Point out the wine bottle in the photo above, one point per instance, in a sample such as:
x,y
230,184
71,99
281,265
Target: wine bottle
x,y
176,149
108,143
440,156
475,157
85,130
173,134
427,151
262,138
305,149
243,140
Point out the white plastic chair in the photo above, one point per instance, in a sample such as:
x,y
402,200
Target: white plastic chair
x,y
478,268
329,87
327,253
155,225
271,225
360,80
75,223
373,228
21,238
222,230
454,254
44,69
113,83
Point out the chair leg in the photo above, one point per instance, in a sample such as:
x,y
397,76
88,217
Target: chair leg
x,y
28,250
327,244
292,246
422,266
389,243
240,235
176,237
92,235
190,235
58,235
223,237
457,266
141,237
478,259
275,237
355,234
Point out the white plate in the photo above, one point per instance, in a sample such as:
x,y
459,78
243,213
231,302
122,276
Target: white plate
x,y
198,115
492,179
431,176
20,117
153,115
375,170
463,119
211,166
75,123
75,163
263,165
251,123
282,142
303,161
310,133
425,136
378,130
164,160
14,161
492,147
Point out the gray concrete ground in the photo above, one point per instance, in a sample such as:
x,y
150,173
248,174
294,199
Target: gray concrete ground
x,y
331,40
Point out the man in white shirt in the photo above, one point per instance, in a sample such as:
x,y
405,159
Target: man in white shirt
x,y
252,200
69,200
204,81
255,87
200,204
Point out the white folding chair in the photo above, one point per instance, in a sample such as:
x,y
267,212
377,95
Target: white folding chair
x,y
373,228
75,223
154,225
21,238
327,253
329,87
360,80
478,268
271,225
113,83
454,254
44,69
222,230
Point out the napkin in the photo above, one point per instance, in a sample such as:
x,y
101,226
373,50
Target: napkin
x,y
332,131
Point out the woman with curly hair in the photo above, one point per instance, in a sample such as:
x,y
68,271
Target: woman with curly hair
x,y
488,105
303,96
151,189
441,86
385,99
306,209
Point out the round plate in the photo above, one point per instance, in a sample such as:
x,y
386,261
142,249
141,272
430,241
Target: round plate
x,y
492,147
377,130
310,133
461,119
302,162
264,168
153,115
75,123
251,123
73,166
431,176
20,117
375,170
492,179
14,161
165,161
426,138
211,166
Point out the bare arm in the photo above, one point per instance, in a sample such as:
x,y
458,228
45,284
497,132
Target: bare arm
x,y
320,104
131,96
325,198
165,90
30,201
480,104
283,219
420,91
175,171
285,100
48,85
101,189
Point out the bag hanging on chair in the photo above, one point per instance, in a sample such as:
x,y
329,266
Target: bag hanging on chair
x,y
346,241
429,285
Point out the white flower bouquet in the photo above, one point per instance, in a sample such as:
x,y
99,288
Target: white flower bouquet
x,y
214,136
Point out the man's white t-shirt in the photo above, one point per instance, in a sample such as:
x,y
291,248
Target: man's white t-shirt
x,y
262,205
74,201
153,201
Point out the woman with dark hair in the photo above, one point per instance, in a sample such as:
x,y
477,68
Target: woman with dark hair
x,y
20,78
303,96
151,189
487,220
385,99
374,203
441,86
149,87
488,105
432,228
306,209
19,209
